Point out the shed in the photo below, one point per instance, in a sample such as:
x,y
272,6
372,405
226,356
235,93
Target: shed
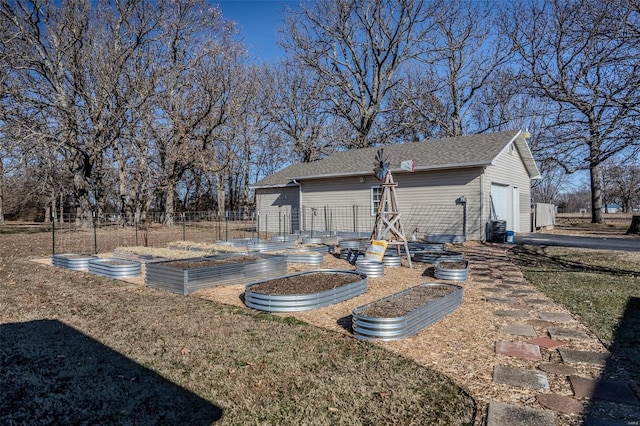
x,y
458,188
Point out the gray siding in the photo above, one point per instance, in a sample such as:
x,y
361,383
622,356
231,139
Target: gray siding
x,y
278,209
426,201
509,170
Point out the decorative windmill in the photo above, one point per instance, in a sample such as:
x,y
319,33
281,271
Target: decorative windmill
x,y
387,216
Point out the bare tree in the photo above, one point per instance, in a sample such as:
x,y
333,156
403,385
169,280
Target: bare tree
x,y
292,99
356,47
467,50
622,182
583,56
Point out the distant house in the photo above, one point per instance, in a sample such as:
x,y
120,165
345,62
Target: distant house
x,y
491,172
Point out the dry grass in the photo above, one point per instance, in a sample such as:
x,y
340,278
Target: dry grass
x,y
85,349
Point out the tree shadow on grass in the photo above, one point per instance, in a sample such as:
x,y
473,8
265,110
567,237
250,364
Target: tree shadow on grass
x,y
538,259
54,374
617,400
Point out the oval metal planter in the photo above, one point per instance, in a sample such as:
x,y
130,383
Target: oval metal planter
x,y
304,256
187,280
391,261
311,240
72,261
304,302
114,267
441,272
435,256
355,244
370,328
370,268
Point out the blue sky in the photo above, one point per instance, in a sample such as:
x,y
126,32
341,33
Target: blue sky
x,y
258,21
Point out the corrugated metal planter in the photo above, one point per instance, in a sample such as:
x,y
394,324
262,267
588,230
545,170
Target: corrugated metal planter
x,y
114,267
304,256
444,271
304,302
163,275
311,240
395,328
73,261
445,238
370,268
436,256
355,244
391,261
319,248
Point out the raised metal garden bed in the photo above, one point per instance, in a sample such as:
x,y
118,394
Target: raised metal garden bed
x,y
219,270
368,327
391,260
114,267
304,256
447,271
370,268
307,301
436,256
72,261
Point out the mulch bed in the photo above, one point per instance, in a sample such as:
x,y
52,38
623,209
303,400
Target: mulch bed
x,y
452,265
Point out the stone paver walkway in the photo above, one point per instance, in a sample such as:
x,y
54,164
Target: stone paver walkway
x,y
545,348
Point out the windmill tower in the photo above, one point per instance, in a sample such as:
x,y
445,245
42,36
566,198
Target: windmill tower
x,y
387,225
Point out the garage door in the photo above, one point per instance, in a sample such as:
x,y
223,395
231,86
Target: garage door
x,y
500,203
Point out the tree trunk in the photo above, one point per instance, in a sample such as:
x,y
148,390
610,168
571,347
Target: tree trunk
x,y
1,192
635,225
596,194
169,211
220,194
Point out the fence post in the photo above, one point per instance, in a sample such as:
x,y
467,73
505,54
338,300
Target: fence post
x,y
184,228
266,227
53,236
257,225
226,226
355,218
280,222
95,234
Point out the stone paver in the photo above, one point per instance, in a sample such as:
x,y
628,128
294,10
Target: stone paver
x,y
518,350
568,333
519,330
545,342
560,403
493,290
512,313
571,356
503,300
540,323
557,368
501,414
555,317
602,389
520,377
538,301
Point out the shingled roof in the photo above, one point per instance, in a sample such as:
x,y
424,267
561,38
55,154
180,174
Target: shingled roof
x,y
435,154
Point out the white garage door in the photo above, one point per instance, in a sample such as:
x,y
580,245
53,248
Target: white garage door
x,y
501,204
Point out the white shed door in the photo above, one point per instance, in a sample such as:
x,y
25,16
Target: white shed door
x,y
500,200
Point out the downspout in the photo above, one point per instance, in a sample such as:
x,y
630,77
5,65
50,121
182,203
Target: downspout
x,y
482,221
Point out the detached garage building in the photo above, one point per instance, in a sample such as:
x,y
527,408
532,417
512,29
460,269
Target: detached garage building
x,y
459,186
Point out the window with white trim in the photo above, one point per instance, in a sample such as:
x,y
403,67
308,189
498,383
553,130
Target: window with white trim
x,y
376,195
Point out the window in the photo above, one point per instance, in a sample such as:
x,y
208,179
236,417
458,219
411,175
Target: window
x,y
376,194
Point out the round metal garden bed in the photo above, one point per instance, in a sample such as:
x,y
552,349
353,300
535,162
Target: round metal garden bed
x,y
394,328
370,268
442,272
392,260
114,267
435,256
72,261
304,256
304,302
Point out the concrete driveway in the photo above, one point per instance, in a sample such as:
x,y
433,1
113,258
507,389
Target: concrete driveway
x,y
598,243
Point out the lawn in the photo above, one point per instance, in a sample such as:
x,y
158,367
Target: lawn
x,y
80,348
601,287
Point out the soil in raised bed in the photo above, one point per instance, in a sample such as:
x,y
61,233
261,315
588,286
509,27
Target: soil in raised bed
x,y
305,284
210,262
406,303
452,265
